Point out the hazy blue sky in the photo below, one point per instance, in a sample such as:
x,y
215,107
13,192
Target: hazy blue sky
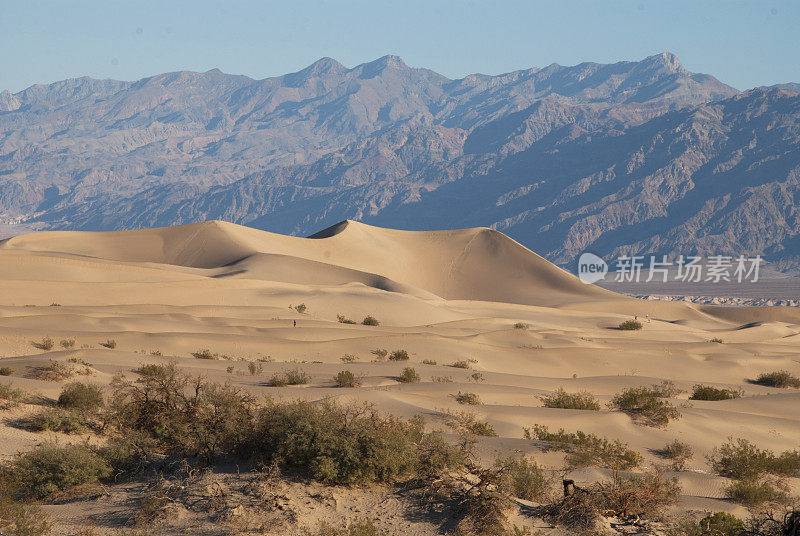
x,y
743,43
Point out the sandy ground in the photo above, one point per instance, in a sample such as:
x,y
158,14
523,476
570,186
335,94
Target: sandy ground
x,y
443,296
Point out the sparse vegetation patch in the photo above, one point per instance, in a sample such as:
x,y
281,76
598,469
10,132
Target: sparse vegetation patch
x,y
564,400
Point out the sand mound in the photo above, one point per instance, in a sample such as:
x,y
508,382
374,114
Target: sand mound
x,y
467,264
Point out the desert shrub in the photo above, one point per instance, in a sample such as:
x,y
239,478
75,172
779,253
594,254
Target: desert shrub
x,y
564,400
57,420
441,379
11,396
781,378
399,355
346,378
460,364
678,452
51,467
521,325
648,404
370,321
741,460
344,320
707,392
81,397
428,362
630,325
57,371
470,399
721,524
380,353
409,375
717,340
347,445
522,478
358,527
255,368
301,308
752,493
278,380
646,496
205,353
213,418
476,377
229,369
466,423
18,518
587,449
67,344
128,453
296,377
110,344
45,344
348,358
6,371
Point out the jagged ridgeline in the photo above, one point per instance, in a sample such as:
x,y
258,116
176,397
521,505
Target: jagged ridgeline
x,y
628,157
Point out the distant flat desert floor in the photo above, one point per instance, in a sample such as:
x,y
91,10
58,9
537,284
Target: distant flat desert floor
x,y
444,296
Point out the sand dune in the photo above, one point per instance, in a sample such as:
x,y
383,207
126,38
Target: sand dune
x,y
444,296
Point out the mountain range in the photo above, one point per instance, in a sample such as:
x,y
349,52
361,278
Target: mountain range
x,y
626,158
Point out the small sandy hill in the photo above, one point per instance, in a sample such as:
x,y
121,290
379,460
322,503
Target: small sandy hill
x,y
466,264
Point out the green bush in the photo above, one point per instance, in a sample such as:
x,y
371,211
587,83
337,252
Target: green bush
x,y
782,378
58,420
678,452
467,423
358,527
205,353
741,460
470,399
721,524
346,378
51,467
630,325
564,400
409,375
347,445
460,364
81,397
707,392
648,404
128,452
380,353
370,321
646,496
585,450
522,478
752,493
6,371
521,325
301,308
399,355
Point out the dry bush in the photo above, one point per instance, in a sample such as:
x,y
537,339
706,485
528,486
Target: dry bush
x,y
301,308
441,379
346,378
57,420
370,321
466,423
358,527
470,399
11,396
348,358
110,344
782,378
564,400
678,452
630,325
18,518
205,353
521,325
460,364
587,449
6,371
58,371
254,368
45,344
708,392
428,362
344,320
409,375
647,403
289,377
399,355
476,377
67,344
380,353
